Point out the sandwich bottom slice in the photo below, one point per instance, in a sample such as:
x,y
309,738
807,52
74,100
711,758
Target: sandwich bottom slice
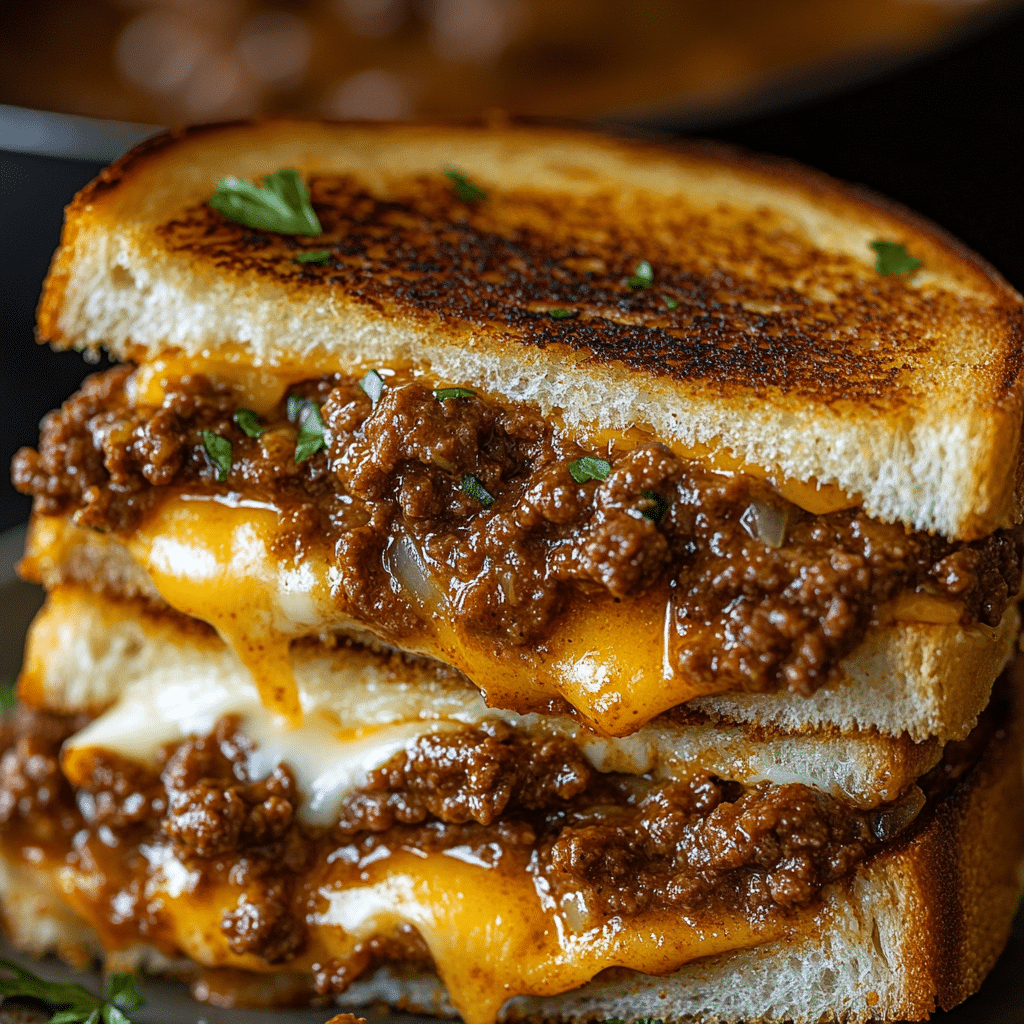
x,y
407,844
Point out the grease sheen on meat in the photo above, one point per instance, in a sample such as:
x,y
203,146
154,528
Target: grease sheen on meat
x,y
752,615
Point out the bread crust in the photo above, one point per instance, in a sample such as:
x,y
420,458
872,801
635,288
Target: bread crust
x,y
786,349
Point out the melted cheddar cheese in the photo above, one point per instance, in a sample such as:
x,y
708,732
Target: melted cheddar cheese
x,y
493,931
216,561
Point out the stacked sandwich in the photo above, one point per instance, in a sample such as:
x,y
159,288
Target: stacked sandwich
x,y
521,572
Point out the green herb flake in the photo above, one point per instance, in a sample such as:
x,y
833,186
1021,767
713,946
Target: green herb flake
x,y
373,385
654,506
473,487
69,1002
670,302
311,433
249,422
561,314
444,394
643,276
219,450
280,204
589,468
8,698
321,256
123,991
893,258
295,406
464,188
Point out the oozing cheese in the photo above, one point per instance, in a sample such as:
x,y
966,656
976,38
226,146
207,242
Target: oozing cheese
x,y
495,934
161,683
215,560
492,930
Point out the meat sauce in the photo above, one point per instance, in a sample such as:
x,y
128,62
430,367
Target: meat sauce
x,y
486,493
621,844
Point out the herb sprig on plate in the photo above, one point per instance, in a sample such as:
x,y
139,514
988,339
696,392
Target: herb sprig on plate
x,y
70,1002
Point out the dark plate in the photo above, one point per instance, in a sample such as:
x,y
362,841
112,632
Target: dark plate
x,y
1000,1001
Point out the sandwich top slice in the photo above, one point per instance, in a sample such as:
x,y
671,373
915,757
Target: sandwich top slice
x,y
520,393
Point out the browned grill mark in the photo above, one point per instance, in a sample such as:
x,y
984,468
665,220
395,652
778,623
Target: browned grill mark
x,y
758,306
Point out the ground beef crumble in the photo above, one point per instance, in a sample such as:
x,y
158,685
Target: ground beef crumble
x,y
622,844
745,614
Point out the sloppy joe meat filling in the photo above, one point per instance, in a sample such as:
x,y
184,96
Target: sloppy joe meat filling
x,y
621,845
761,594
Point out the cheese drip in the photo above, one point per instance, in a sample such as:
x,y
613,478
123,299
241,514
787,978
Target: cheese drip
x,y
216,559
213,560
495,933
492,929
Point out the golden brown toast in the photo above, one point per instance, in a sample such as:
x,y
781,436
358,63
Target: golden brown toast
x,y
767,337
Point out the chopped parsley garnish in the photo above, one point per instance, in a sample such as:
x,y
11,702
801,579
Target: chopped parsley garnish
x,y
280,204
464,188
219,450
654,506
373,385
249,422
321,256
296,403
589,468
670,302
8,700
474,488
311,432
558,313
443,394
70,1003
893,258
643,276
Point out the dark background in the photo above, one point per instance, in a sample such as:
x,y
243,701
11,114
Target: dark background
x,y
942,135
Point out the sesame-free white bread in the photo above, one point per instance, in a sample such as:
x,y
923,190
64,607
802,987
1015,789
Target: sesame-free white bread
x,y
88,653
787,350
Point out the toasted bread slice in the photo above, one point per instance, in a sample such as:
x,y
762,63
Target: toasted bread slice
x,y
154,677
768,338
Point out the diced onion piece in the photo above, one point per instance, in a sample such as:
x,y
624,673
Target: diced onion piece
x,y
893,820
764,523
404,563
